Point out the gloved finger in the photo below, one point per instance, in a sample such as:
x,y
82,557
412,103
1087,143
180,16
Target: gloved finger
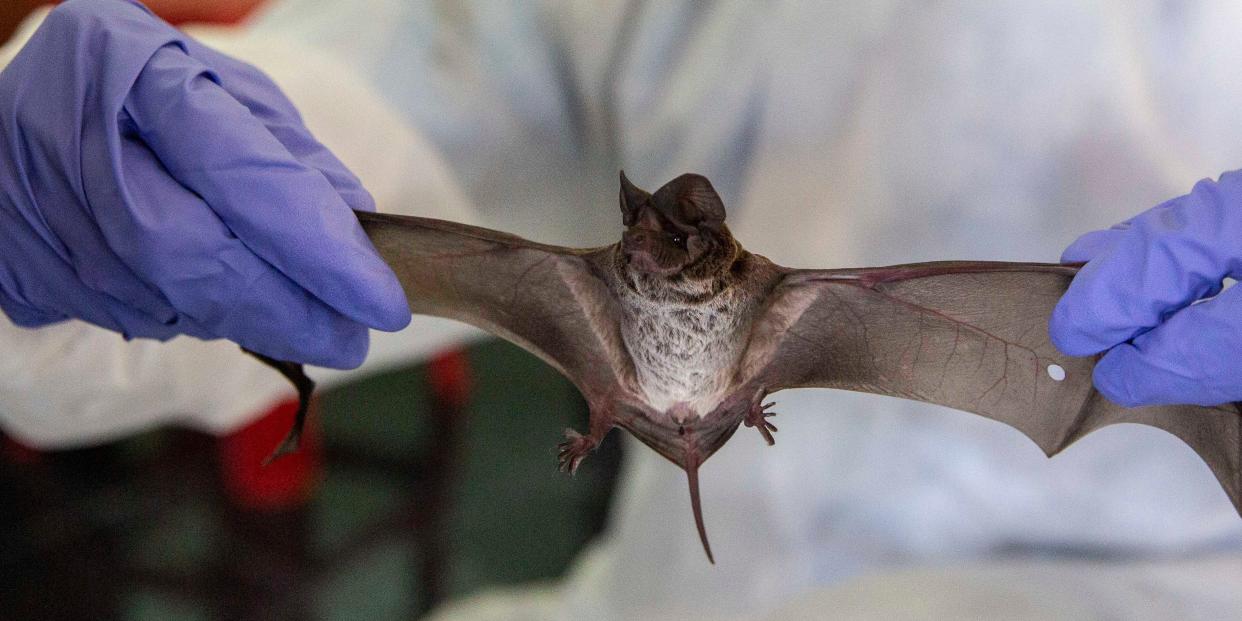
x,y
220,288
1169,257
1091,245
54,129
282,210
255,90
1191,358
46,289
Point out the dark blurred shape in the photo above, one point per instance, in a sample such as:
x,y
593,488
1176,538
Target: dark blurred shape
x,y
436,480
12,12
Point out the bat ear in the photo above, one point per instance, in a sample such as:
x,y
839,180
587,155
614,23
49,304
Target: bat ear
x,y
631,199
691,199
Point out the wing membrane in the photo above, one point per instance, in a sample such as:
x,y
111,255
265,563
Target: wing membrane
x,y
550,300
967,335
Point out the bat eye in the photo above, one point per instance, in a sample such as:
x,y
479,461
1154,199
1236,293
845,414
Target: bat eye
x,y
677,238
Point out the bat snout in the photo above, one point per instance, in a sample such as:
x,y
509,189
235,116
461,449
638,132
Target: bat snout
x,y
645,262
649,252
640,240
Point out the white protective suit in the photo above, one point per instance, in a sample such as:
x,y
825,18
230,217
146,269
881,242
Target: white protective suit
x,y
838,134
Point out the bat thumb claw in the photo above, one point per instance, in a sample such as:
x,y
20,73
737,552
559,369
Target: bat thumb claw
x,y
289,445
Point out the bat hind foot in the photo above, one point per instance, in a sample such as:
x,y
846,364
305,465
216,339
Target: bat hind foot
x,y
758,416
573,450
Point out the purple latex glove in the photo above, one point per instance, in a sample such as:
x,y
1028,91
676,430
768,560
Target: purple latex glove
x,y
156,187
1136,299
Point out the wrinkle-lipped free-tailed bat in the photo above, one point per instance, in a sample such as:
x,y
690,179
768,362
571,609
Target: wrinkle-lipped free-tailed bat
x,y
677,334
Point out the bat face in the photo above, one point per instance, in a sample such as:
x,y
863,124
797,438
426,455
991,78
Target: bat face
x,y
657,246
676,234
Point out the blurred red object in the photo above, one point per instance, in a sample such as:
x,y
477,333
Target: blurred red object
x,y
12,12
449,377
197,11
286,482
15,452
290,480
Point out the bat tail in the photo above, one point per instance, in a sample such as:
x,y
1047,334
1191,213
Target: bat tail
x,y
692,476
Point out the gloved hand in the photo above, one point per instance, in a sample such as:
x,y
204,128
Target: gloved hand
x,y
155,187
1135,298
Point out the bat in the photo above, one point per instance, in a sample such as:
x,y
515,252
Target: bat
x,y
677,334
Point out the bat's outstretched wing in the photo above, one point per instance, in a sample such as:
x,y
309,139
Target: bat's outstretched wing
x,y
550,300
968,335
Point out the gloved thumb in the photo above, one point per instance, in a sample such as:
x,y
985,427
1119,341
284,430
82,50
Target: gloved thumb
x,y
1190,358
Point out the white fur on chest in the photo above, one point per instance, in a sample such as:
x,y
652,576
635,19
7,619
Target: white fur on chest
x,y
684,356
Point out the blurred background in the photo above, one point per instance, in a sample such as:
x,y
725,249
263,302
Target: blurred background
x,y
409,493
838,134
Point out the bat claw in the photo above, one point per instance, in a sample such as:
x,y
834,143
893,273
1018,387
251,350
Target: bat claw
x,y
758,418
296,374
573,450
290,445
